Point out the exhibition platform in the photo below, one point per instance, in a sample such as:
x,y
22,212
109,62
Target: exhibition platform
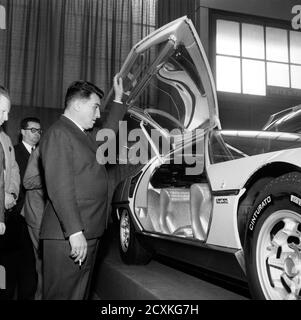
x,y
115,280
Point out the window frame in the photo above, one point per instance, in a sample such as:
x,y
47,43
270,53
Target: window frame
x,y
271,91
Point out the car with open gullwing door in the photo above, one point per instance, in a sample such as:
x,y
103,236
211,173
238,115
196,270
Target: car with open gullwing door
x,y
223,200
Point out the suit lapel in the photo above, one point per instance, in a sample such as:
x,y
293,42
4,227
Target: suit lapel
x,y
25,151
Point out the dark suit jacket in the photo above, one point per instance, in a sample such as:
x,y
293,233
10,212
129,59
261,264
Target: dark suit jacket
x,y
22,156
35,197
76,183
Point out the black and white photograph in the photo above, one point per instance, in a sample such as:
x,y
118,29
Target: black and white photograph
x,y
150,153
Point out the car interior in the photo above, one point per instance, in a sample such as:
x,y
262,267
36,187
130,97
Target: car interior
x,y
177,204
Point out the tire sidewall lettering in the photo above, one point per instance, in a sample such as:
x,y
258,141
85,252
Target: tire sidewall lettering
x,y
285,195
262,206
295,200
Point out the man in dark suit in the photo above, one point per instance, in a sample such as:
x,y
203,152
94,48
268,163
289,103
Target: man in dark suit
x,y
34,205
25,275
76,213
31,134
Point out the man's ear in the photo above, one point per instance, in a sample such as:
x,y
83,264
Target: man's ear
x,y
76,105
23,132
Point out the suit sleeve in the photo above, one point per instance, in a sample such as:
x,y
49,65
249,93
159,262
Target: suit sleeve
x,y
57,158
115,114
32,178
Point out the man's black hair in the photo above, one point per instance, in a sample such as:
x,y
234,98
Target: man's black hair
x,y
24,122
81,89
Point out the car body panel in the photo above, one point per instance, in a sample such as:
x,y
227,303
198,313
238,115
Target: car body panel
x,y
223,228
196,253
227,176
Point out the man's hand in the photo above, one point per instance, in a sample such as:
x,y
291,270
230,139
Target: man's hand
x,y
2,228
78,245
10,201
118,88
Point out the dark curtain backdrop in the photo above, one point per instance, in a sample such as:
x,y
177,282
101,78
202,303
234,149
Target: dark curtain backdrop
x,y
169,10
50,43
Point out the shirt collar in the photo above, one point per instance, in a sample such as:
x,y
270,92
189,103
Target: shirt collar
x,y
78,125
28,146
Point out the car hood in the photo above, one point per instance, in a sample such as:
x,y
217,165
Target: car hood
x,y
251,143
170,67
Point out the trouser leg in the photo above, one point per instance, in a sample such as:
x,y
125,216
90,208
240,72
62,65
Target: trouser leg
x,y
27,277
34,235
64,279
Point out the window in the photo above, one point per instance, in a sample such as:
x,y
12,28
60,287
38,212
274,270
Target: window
x,y
251,58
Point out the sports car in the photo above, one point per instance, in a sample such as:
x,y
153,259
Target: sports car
x,y
226,201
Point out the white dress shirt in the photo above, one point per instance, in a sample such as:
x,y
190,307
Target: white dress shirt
x,y
28,147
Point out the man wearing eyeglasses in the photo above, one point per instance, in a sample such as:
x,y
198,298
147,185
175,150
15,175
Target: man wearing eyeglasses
x,y
31,134
27,276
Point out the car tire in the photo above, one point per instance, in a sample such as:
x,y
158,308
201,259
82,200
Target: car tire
x,y
273,240
131,251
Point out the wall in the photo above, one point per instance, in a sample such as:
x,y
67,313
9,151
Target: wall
x,y
236,110
248,111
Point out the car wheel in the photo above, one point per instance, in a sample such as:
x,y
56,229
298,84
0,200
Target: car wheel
x,y
273,241
131,250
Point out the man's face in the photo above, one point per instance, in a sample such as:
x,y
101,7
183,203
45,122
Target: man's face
x,y
31,134
4,109
89,111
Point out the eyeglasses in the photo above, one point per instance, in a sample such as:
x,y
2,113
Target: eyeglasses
x,y
34,130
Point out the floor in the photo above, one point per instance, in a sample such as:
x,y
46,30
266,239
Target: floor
x,y
115,280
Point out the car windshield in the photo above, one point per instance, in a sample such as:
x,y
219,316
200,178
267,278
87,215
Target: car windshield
x,y
231,145
289,122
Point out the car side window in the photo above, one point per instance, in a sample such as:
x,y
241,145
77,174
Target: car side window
x,y
218,150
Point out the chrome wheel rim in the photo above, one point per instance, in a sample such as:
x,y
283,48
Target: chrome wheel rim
x,y
124,230
278,256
